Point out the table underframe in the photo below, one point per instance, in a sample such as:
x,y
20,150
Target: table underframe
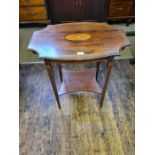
x,y
85,80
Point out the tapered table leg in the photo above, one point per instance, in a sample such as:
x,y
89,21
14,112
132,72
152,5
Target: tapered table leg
x,y
97,69
60,72
107,77
52,80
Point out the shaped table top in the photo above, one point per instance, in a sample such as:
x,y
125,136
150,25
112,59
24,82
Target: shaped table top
x,y
77,41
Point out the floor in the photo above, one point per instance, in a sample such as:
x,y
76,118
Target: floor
x,y
29,57
81,127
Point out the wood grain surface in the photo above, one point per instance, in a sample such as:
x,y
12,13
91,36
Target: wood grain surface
x,y
31,2
82,128
32,13
51,42
79,80
120,9
78,37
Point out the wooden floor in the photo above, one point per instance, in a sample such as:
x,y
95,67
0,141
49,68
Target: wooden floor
x,y
81,127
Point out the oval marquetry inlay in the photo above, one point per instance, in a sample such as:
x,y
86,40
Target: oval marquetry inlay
x,y
78,37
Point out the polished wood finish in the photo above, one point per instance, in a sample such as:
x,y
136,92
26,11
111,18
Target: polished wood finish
x,y
52,45
77,10
105,41
31,2
32,13
81,127
79,80
120,9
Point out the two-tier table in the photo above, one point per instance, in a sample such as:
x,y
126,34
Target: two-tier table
x,y
75,43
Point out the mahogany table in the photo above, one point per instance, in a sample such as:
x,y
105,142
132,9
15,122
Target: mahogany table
x,y
75,43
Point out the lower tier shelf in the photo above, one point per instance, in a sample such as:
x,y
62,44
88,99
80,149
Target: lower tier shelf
x,y
84,80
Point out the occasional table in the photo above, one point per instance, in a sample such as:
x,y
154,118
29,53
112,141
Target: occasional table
x,y
76,43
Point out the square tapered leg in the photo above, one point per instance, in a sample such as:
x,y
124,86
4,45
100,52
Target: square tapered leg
x,y
52,80
106,81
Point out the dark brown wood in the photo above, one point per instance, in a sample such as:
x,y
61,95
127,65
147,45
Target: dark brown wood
x,y
120,9
64,10
93,11
97,69
102,42
51,42
52,80
107,77
79,61
82,10
60,72
120,0
84,80
77,10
